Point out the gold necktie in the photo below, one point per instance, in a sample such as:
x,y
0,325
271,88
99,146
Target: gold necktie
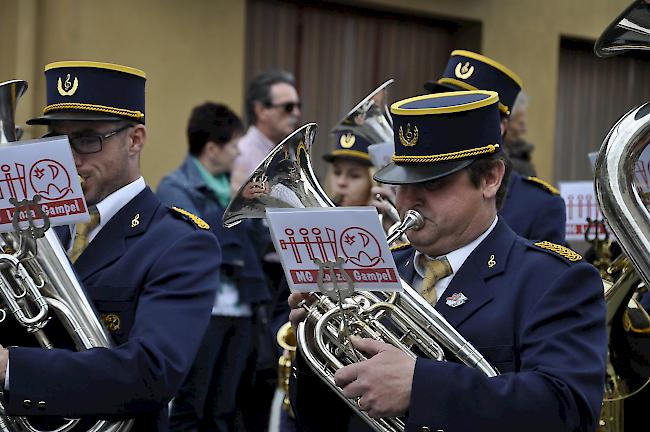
x,y
436,269
81,236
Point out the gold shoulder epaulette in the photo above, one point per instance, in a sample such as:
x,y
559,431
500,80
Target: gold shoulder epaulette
x,y
545,185
194,218
400,246
559,250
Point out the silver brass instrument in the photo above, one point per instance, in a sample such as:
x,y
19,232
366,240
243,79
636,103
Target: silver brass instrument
x,y
285,179
625,205
370,119
36,278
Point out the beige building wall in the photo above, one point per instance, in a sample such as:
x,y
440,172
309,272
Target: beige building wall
x,y
193,51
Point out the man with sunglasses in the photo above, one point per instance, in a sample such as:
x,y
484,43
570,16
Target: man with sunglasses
x,y
273,111
150,271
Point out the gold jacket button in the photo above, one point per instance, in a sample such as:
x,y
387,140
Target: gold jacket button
x,y
41,405
27,403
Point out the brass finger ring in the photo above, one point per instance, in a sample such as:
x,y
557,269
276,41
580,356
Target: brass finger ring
x,y
359,404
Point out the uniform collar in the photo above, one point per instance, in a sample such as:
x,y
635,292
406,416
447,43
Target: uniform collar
x,y
486,261
110,205
456,257
110,243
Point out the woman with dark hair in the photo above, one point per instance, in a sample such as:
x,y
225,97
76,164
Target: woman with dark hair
x,y
207,398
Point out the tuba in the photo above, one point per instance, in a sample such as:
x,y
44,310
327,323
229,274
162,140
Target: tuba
x,y
286,179
36,279
625,202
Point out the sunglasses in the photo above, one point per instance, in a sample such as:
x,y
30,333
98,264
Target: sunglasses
x,y
287,107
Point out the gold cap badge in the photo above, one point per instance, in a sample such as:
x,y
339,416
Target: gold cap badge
x,y
411,137
464,71
67,88
347,140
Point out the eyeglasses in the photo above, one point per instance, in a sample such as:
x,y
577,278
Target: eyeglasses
x,y
288,107
89,143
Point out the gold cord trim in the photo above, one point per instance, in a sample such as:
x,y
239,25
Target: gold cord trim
x,y
98,108
448,156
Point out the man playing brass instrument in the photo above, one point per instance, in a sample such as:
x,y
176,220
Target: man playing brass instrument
x,y
535,310
150,271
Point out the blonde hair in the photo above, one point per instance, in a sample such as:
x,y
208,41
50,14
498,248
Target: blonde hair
x,y
371,182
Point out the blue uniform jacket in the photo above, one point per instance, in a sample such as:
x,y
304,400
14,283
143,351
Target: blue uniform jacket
x,y
534,212
535,315
185,188
157,279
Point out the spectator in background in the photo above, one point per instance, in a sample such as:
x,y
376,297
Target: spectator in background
x,y
517,148
273,112
207,398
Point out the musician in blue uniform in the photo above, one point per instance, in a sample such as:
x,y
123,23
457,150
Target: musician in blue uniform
x,y
150,271
533,208
534,309
206,400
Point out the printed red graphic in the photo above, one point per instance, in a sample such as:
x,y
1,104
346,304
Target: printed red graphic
x,y
50,179
312,242
13,184
360,247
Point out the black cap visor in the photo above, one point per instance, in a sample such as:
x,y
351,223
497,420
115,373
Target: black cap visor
x,y
418,173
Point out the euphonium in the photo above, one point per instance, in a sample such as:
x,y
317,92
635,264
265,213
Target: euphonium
x,y
36,278
625,206
285,179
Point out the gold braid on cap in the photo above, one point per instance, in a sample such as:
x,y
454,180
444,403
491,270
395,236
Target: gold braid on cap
x,y
488,149
98,108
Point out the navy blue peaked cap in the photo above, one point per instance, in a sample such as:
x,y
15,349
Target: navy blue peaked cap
x,y
350,146
439,134
468,70
84,90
